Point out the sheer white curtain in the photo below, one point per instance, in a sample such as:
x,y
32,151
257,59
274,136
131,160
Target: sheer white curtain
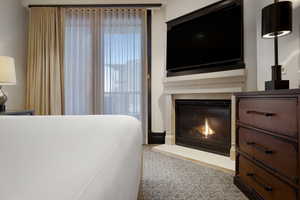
x,y
82,61
124,58
105,61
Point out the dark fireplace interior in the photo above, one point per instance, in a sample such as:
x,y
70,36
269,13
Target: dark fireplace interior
x,y
204,125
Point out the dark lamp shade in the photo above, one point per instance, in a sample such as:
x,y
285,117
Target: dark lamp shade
x,y
277,18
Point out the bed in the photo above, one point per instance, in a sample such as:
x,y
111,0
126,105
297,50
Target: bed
x,y
70,158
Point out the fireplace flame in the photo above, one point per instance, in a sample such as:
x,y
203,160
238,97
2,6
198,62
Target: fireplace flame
x,y
207,130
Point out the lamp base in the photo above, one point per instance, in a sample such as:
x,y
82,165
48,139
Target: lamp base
x,y
277,85
2,108
3,99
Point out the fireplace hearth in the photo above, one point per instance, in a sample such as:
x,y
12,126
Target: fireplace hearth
x,y
204,125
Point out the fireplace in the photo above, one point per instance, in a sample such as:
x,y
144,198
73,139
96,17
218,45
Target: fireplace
x,y
204,125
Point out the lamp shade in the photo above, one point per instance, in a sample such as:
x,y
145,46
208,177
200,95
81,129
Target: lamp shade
x,y
7,71
277,18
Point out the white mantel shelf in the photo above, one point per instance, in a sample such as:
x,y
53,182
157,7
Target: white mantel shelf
x,y
206,76
214,82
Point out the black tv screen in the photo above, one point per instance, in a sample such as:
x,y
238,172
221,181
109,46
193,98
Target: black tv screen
x,y
207,39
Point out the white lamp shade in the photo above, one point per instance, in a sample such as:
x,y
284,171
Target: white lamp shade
x,y
7,71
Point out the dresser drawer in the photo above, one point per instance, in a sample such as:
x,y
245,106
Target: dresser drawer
x,y
277,154
277,114
265,184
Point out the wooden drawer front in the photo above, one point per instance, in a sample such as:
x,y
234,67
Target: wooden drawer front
x,y
265,184
275,153
277,114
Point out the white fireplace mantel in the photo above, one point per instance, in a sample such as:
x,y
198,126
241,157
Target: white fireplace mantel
x,y
215,85
215,82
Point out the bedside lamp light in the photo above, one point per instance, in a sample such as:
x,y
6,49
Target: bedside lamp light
x,y
7,77
277,22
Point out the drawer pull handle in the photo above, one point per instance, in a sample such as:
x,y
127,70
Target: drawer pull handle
x,y
261,113
260,183
260,148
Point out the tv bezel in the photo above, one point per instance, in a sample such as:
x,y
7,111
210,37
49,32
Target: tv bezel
x,y
212,66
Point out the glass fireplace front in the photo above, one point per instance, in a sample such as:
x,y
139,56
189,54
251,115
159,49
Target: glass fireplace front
x,y
204,125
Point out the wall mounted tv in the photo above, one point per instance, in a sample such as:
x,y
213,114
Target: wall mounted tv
x,y
207,40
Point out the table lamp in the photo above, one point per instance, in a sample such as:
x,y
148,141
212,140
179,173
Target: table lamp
x,y
277,22
7,77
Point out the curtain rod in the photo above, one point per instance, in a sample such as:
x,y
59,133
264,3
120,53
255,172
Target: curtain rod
x,y
154,5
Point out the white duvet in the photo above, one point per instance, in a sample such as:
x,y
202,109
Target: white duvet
x,y
70,158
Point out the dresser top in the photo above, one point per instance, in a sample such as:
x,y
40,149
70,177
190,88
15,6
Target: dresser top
x,y
271,92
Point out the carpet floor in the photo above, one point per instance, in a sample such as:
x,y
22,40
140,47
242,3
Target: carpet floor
x,y
170,178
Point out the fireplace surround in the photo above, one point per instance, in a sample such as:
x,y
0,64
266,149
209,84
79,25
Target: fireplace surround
x,y
213,86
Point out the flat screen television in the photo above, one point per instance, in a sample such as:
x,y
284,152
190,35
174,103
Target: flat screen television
x,y
207,40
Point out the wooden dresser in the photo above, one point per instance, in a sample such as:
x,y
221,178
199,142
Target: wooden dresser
x,y
267,162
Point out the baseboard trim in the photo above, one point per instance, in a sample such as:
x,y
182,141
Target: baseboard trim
x,y
157,138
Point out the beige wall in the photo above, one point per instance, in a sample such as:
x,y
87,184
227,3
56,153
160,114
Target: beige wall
x,y
177,8
159,34
13,43
289,51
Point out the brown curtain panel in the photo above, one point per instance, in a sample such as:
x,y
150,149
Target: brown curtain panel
x,y
45,88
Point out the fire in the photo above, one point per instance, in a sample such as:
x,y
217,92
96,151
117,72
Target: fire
x,y
206,130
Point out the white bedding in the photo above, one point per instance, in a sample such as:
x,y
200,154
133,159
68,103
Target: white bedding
x,y
70,158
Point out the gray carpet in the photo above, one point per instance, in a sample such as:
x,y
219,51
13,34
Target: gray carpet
x,y
169,178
